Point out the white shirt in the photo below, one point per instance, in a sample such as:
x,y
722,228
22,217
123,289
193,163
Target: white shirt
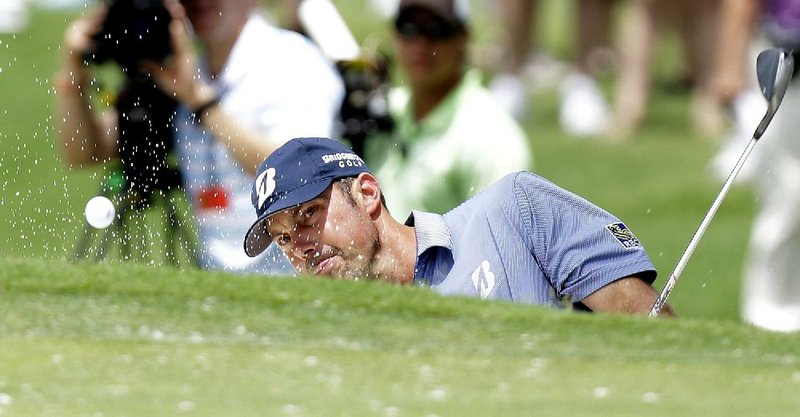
x,y
278,84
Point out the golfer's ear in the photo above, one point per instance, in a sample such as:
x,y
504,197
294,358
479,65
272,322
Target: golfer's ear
x,y
370,192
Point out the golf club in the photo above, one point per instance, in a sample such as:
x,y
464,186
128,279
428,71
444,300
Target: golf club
x,y
774,71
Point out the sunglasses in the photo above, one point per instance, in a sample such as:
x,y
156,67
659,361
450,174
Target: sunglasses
x,y
433,29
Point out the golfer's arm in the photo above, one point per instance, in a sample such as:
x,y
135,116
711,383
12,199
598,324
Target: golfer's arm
x,y
629,295
87,137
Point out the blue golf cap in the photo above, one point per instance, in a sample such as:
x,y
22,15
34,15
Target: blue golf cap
x,y
293,174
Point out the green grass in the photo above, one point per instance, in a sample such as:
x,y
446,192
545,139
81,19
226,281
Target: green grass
x,y
116,339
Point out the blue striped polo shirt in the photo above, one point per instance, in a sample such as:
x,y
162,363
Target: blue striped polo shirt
x,y
526,240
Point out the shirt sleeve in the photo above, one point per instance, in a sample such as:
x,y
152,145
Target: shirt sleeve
x,y
579,246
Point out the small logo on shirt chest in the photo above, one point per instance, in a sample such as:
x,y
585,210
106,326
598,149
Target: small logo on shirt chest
x,y
483,279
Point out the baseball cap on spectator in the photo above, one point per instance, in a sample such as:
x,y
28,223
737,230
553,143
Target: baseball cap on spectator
x,y
293,174
455,12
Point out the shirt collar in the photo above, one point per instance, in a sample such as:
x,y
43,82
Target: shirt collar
x,y
430,230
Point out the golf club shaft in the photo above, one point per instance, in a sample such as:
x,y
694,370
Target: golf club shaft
x,y
673,278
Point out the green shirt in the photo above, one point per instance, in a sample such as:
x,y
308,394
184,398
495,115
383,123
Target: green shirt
x,y
464,145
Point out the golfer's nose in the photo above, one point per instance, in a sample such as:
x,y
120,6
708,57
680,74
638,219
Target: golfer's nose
x,y
304,252
304,247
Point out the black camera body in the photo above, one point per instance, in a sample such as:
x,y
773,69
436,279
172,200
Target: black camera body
x,y
135,31
365,108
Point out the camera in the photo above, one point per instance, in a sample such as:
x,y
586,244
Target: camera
x,y
365,108
133,31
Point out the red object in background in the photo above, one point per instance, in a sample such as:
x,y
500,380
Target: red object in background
x,y
214,197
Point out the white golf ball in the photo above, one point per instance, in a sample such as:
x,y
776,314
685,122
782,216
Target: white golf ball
x,y
99,212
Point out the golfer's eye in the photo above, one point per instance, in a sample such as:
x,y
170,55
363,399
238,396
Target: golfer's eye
x,y
309,212
281,240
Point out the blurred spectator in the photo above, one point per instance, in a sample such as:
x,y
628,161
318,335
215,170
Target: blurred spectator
x,y
254,88
771,287
696,21
584,110
735,84
451,139
13,16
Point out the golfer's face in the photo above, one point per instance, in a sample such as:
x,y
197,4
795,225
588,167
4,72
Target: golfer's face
x,y
328,236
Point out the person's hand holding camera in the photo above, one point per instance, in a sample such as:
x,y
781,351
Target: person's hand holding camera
x,y
179,76
74,72
87,137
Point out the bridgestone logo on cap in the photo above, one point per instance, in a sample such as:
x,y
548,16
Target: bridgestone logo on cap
x,y
265,186
340,157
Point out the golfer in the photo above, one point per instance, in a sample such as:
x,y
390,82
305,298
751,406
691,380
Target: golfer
x,y
523,239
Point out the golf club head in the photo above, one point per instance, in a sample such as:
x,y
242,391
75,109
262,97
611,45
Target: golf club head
x,y
774,70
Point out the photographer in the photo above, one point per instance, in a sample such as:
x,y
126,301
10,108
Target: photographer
x,y
254,88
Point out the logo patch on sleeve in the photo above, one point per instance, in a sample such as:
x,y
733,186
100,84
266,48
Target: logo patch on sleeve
x,y
623,235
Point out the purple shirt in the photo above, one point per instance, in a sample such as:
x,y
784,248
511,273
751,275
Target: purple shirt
x,y
782,22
